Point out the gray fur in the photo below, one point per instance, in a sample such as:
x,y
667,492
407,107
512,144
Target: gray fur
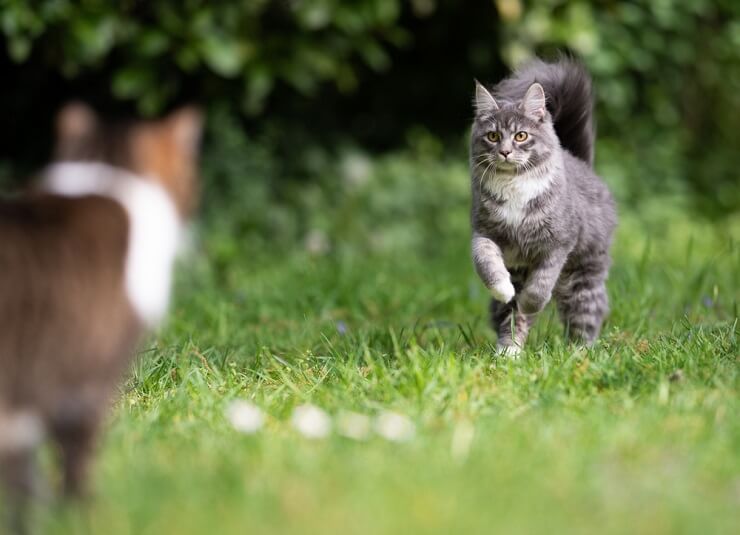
x,y
542,219
567,85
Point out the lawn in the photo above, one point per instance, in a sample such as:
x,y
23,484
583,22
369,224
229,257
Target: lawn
x,y
380,310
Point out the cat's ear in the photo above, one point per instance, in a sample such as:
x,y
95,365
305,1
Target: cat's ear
x,y
484,101
534,103
167,151
185,126
76,126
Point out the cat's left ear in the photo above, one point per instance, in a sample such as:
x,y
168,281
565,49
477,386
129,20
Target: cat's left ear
x,y
534,104
484,101
76,129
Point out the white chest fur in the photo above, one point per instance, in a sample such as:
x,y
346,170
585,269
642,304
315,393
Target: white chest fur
x,y
517,190
154,228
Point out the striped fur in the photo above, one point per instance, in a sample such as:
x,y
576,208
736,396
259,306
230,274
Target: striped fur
x,y
542,219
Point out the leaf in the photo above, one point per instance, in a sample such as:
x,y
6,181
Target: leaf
x,y
19,48
224,55
94,37
131,82
259,84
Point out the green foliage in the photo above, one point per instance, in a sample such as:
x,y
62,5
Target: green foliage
x,y
155,47
255,197
312,78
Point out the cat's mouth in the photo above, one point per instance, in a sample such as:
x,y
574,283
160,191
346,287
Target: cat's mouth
x,y
506,165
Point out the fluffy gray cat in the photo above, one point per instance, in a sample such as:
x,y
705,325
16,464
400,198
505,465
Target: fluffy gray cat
x,y
542,219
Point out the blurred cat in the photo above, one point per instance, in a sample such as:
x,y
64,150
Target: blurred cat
x,y
85,269
542,219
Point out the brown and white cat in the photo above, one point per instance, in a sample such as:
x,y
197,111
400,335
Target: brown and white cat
x,y
86,262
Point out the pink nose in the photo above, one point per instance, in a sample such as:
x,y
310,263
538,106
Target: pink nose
x,y
504,153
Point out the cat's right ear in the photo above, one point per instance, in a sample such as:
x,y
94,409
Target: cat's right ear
x,y
186,127
75,127
484,101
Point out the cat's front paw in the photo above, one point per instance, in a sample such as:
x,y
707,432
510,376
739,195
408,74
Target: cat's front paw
x,y
512,351
530,303
502,290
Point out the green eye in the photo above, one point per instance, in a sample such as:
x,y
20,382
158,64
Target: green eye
x,y
493,137
520,136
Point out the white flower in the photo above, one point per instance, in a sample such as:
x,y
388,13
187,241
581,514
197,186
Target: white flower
x,y
356,169
354,425
311,421
395,427
317,242
245,417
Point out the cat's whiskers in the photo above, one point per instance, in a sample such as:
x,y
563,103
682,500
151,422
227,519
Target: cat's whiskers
x,y
487,160
482,159
483,177
526,166
482,162
491,168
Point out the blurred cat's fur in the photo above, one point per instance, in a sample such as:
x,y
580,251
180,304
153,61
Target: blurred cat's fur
x,y
85,269
542,220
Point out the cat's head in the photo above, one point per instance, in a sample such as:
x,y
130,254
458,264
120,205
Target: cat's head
x,y
510,137
164,150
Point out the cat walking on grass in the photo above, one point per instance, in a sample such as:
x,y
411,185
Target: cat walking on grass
x,y
542,219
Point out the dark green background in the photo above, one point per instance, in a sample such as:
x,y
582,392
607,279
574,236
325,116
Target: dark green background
x,y
291,84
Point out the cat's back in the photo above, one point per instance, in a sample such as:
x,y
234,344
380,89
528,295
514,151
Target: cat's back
x,y
62,299
63,231
588,185
38,211
593,202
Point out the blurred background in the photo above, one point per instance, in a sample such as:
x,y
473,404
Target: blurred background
x,y
333,265
305,96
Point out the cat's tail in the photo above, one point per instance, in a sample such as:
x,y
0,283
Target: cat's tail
x,y
567,86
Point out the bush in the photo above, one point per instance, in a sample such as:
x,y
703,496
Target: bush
x,y
153,49
302,78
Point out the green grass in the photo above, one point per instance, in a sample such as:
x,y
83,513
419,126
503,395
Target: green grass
x,y
639,434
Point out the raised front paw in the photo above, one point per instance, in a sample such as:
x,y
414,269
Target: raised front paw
x,y
502,290
512,351
530,302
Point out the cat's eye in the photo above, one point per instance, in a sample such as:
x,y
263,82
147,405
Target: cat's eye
x,y
493,137
520,136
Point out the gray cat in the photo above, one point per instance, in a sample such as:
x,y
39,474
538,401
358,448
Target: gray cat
x,y
542,219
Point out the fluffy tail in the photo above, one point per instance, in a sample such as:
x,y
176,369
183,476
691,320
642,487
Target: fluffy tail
x,y
567,86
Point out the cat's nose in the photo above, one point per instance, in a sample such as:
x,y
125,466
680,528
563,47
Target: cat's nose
x,y
504,153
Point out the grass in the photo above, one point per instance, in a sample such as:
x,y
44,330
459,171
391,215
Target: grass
x,y
639,434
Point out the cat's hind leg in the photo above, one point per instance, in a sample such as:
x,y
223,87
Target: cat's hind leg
x,y
74,430
583,302
511,326
20,434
